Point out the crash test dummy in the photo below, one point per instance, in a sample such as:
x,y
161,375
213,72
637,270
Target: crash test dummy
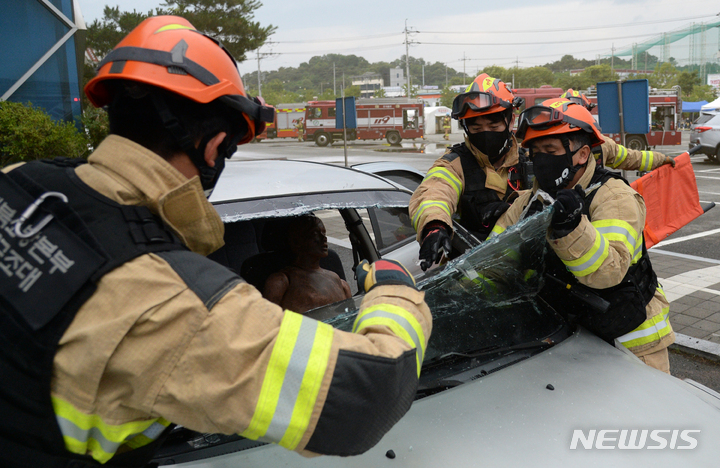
x,y
596,234
615,156
115,325
305,285
475,180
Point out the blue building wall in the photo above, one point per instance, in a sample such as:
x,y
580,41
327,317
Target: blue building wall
x,y
28,30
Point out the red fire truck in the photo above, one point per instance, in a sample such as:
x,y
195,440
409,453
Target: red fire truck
x,y
665,109
286,117
389,118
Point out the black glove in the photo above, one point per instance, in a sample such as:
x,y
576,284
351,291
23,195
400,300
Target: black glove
x,y
568,208
382,272
491,212
436,239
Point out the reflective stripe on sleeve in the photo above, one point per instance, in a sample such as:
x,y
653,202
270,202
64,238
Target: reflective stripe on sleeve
x,y
651,330
400,321
292,381
591,261
427,204
89,434
621,231
647,161
620,156
444,174
496,231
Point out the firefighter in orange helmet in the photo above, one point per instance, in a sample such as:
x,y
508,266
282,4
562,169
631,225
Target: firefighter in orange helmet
x,y
615,156
123,326
477,178
595,239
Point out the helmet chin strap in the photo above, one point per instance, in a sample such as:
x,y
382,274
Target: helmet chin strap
x,y
208,175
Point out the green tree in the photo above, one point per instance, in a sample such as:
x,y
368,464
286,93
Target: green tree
x,y
447,97
687,80
702,93
231,21
28,133
413,91
664,76
353,90
380,93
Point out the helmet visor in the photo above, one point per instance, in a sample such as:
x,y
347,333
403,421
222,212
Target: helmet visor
x,y
577,100
539,118
477,101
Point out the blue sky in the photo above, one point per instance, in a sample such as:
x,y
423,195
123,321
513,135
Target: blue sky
x,y
484,33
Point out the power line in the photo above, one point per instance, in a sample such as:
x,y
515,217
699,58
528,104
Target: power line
x,y
533,42
556,30
346,39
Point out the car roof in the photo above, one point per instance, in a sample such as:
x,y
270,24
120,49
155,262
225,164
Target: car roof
x,y
264,188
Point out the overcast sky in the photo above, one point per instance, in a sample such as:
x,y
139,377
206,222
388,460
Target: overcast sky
x,y
482,32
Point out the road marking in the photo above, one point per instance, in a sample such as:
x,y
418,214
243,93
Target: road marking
x,y
687,238
709,193
339,242
689,282
710,170
706,177
682,255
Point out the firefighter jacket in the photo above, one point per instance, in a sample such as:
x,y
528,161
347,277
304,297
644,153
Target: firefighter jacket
x,y
602,248
175,337
617,156
439,195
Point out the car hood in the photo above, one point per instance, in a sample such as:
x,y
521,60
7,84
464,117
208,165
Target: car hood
x,y
512,418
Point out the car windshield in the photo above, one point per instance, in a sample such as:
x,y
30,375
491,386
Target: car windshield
x,y
484,302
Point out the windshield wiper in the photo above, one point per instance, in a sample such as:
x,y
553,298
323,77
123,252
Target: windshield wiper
x,y
488,350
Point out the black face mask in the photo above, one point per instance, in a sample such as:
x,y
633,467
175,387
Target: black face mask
x,y
554,171
493,144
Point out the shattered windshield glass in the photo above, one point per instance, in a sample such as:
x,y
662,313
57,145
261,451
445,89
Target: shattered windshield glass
x,y
485,299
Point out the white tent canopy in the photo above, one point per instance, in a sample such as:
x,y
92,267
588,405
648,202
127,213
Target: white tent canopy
x,y
711,106
432,114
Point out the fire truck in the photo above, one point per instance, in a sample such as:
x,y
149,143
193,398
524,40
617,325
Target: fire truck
x,y
389,118
286,117
665,109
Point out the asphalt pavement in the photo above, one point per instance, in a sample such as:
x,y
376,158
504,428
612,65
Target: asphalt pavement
x,y
687,263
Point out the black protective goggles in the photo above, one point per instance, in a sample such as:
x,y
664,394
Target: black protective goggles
x,y
543,118
476,101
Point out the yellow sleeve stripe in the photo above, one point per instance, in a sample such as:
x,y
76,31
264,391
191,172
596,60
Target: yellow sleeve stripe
x,y
292,381
89,434
593,258
646,161
621,231
622,153
400,321
496,230
444,174
427,204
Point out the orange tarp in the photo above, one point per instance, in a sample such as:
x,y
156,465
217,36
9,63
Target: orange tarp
x,y
671,198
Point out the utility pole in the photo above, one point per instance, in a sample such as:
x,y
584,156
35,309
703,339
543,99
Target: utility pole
x,y
423,70
258,59
464,61
334,91
612,60
446,75
407,58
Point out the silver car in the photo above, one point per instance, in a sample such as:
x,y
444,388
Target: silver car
x,y
706,133
506,382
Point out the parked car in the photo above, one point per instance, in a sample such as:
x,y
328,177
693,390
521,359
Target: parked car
x,y
506,380
706,133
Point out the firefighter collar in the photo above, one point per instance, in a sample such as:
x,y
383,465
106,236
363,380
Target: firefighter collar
x,y
130,174
493,179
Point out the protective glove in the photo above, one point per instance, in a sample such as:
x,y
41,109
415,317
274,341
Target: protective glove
x,y
568,208
491,212
669,160
436,239
382,272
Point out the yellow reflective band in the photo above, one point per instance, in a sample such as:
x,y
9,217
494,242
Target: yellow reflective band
x,y
496,230
621,231
425,205
646,161
591,261
173,27
486,284
447,176
620,157
292,381
89,434
401,322
651,330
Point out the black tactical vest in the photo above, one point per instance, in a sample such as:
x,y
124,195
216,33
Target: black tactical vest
x,y
627,299
48,275
475,194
